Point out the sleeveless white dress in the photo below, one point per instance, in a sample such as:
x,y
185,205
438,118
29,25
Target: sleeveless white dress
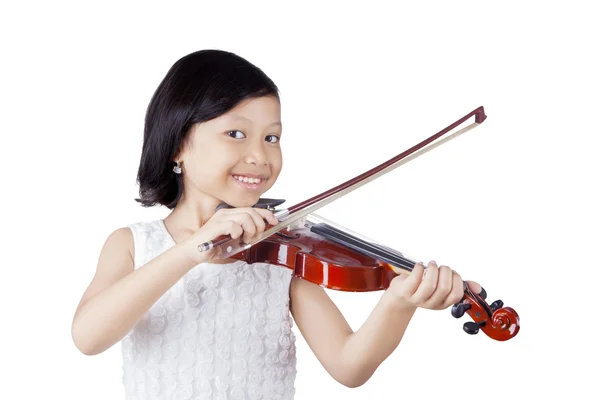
x,y
224,331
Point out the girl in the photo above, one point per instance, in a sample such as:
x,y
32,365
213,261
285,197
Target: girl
x,y
195,327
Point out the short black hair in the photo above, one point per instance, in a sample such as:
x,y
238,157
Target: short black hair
x,y
199,87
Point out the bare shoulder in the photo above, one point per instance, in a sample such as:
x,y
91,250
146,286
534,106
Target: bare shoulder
x,y
115,261
119,243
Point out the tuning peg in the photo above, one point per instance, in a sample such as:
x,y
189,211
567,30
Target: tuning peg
x,y
472,328
483,293
458,310
496,305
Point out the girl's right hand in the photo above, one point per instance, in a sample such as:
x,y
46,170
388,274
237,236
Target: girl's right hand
x,y
244,222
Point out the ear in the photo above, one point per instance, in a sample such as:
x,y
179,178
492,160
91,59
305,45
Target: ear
x,y
185,145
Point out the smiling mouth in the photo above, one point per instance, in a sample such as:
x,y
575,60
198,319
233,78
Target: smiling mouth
x,y
249,182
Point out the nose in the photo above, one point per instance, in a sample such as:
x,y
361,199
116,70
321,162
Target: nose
x,y
256,154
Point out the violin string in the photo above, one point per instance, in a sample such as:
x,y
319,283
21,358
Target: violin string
x,y
369,248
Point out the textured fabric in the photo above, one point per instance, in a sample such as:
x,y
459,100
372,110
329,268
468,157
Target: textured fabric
x,y
223,331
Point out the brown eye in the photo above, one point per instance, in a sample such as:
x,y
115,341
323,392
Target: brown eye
x,y
234,134
274,138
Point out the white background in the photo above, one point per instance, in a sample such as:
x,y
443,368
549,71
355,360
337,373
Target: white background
x,y
512,204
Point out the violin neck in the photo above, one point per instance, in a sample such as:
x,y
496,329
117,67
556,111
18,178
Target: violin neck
x,y
345,237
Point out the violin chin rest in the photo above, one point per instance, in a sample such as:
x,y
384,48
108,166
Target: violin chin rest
x,y
262,203
269,203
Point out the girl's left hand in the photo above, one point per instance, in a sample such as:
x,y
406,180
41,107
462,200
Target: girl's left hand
x,y
432,288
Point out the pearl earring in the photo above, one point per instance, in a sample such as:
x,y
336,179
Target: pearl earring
x,y
177,167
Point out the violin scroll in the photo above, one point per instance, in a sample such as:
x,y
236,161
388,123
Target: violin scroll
x,y
496,321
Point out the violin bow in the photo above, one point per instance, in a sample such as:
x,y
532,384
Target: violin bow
x,y
227,246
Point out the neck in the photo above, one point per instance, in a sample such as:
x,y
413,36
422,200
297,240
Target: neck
x,y
187,217
190,216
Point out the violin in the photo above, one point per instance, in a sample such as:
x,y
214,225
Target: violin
x,y
332,256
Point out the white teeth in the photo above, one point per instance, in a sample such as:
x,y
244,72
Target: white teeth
x,y
247,179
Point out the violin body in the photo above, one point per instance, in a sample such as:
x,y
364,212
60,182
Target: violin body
x,y
321,261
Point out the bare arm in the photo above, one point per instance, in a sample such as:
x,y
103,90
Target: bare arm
x,y
350,357
118,296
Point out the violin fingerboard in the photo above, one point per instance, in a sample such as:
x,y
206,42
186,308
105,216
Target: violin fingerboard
x,y
368,248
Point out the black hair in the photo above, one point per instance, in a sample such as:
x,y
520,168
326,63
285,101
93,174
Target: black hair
x,y
199,87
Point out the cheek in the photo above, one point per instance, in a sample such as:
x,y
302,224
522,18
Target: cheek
x,y
208,167
277,163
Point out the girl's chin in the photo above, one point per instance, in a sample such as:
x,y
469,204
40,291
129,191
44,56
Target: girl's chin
x,y
245,200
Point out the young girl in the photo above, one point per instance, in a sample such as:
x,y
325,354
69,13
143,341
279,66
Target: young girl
x,y
196,327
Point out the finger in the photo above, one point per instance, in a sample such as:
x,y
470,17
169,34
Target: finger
x,y
458,290
443,289
233,229
474,286
398,280
412,281
223,211
268,215
428,284
247,224
257,218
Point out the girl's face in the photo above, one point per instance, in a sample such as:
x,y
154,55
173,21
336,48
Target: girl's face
x,y
236,157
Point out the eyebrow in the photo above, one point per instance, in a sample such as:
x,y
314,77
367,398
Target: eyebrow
x,y
278,123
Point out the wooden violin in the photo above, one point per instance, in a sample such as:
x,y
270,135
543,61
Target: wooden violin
x,y
332,256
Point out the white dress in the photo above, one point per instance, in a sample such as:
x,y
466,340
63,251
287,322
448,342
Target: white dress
x,y
224,331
